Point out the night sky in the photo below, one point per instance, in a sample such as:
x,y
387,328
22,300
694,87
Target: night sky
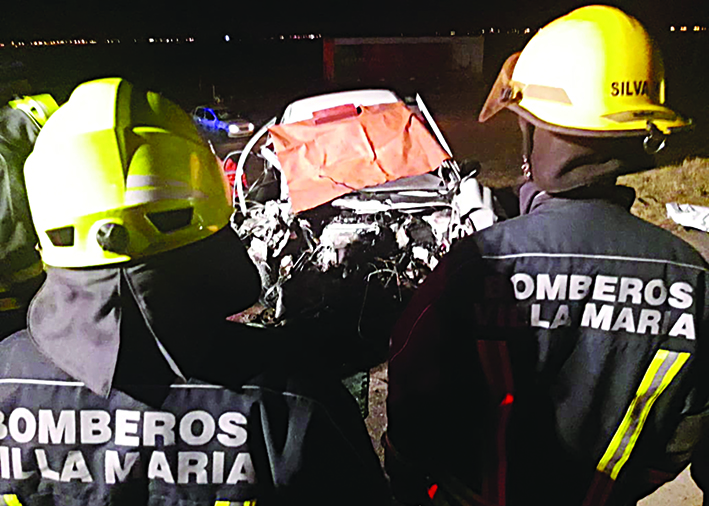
x,y
133,18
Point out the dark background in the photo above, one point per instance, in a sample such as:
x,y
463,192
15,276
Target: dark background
x,y
214,18
262,76
259,74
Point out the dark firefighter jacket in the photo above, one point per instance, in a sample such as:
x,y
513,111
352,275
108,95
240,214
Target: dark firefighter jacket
x,y
551,358
20,267
130,388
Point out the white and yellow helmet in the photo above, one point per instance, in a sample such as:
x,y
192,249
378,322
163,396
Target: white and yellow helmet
x,y
37,107
117,175
592,72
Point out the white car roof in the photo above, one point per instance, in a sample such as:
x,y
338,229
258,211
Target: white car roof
x,y
303,109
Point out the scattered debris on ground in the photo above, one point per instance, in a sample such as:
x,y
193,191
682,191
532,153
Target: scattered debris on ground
x,y
686,183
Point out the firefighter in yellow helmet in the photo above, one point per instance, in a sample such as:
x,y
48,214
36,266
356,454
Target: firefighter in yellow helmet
x,y
559,357
21,272
130,387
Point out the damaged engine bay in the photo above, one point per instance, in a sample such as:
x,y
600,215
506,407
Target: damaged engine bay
x,y
349,265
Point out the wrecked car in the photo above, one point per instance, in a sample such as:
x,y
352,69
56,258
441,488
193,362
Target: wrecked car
x,y
356,198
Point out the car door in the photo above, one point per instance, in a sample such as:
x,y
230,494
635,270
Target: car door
x,y
210,120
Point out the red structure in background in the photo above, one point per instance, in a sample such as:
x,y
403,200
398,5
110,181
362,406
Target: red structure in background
x,y
397,59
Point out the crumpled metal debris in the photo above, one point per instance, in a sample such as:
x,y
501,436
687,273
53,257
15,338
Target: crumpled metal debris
x,y
689,215
392,240
352,263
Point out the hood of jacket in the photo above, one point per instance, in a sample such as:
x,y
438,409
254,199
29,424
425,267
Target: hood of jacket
x,y
138,322
560,163
532,197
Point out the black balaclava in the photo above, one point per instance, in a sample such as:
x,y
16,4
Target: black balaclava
x,y
559,163
110,323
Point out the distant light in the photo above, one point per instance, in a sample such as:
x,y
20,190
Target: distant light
x,y
683,29
452,33
672,28
227,38
151,40
527,30
696,28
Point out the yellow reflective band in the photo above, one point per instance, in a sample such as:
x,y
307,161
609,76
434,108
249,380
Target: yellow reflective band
x,y
10,500
142,189
235,503
662,370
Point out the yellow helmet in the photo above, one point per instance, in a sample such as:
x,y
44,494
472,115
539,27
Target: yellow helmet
x,y
38,107
592,72
118,174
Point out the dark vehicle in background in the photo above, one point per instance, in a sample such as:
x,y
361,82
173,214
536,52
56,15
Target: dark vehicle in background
x,y
221,121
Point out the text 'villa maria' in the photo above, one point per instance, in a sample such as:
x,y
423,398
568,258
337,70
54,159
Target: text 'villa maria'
x,y
609,303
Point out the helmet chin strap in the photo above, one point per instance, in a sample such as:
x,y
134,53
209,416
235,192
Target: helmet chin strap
x,y
527,145
655,140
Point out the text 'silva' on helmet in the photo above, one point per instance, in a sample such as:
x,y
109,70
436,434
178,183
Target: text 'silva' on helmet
x,y
593,72
119,174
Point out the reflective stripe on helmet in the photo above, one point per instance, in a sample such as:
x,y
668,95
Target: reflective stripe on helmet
x,y
143,189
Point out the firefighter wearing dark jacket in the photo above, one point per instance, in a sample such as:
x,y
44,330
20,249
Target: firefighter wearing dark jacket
x,y
21,272
129,386
559,358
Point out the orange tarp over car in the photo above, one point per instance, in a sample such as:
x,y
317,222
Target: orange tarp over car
x,y
345,149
